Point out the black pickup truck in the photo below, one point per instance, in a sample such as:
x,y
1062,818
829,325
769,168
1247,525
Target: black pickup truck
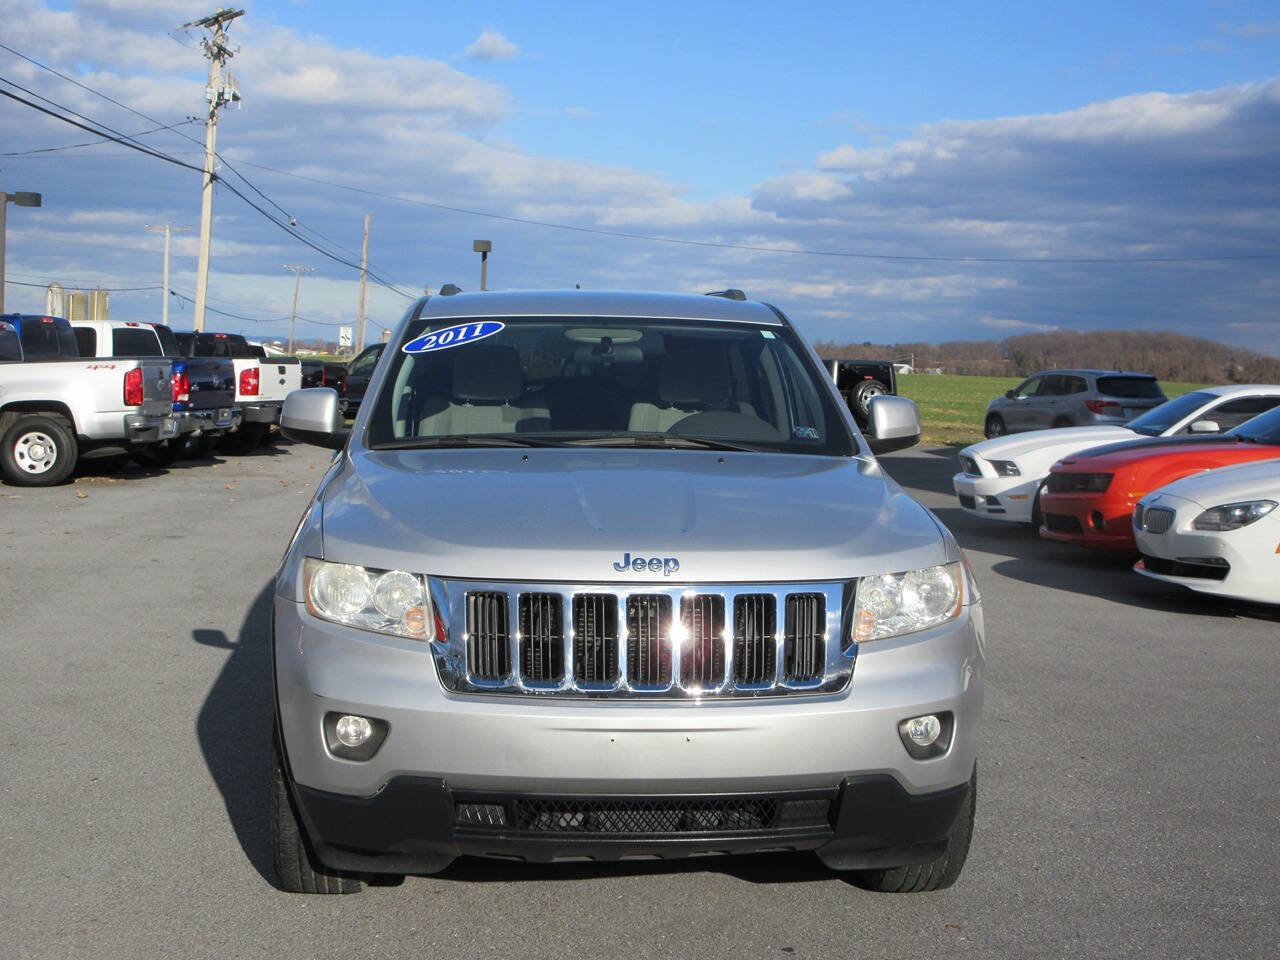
x,y
860,380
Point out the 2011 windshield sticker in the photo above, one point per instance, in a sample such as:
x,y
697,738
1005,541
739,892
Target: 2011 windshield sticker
x,y
459,335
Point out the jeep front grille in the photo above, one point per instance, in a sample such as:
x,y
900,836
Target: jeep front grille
x,y
656,641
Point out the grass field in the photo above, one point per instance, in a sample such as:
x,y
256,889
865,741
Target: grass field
x,y
952,408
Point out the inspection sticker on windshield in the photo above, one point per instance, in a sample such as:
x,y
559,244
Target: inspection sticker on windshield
x,y
458,335
805,433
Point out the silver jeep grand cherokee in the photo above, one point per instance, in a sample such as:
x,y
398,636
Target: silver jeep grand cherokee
x,y
613,575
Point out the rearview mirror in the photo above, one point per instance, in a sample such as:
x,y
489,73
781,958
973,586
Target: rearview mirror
x,y
893,423
1011,394
1205,426
311,416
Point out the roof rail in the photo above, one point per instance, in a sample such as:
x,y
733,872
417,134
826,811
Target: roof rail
x,y
730,294
450,290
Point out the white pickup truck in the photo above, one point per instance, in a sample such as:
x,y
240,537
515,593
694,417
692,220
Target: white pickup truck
x,y
56,407
262,382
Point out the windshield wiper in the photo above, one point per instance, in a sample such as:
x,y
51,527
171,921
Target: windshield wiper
x,y
662,441
462,440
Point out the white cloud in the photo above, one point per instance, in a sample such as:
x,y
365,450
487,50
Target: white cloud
x,y
1018,326
491,45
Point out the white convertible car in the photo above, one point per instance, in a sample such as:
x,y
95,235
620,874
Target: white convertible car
x,y
1215,532
1001,478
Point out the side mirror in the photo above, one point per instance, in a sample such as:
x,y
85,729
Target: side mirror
x,y
311,416
893,423
1011,394
1205,426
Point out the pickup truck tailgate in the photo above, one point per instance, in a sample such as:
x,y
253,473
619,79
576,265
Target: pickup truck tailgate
x,y
211,380
279,376
157,387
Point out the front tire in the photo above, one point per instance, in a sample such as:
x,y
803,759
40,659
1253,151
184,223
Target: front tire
x,y
937,875
38,451
995,426
297,869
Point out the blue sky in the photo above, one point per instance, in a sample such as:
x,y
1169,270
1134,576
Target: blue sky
x,y
996,130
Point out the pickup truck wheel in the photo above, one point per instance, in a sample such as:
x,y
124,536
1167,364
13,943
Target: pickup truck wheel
x,y
156,454
38,451
296,868
245,440
940,873
995,426
862,395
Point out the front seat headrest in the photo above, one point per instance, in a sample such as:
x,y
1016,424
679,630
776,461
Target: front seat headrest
x,y
694,376
487,373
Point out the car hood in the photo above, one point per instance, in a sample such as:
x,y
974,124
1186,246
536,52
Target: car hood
x,y
1208,453
1248,481
1047,445
573,515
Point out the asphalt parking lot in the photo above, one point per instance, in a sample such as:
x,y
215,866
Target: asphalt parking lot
x,y
1127,807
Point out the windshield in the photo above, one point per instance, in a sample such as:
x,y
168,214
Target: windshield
x,y
605,381
1157,420
1264,428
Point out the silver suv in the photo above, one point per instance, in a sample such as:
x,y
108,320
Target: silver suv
x,y
1073,398
605,575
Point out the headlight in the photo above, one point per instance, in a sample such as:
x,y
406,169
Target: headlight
x,y
1005,468
1233,516
385,601
892,604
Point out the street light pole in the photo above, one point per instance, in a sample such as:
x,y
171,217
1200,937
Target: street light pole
x,y
167,229
298,271
23,199
483,247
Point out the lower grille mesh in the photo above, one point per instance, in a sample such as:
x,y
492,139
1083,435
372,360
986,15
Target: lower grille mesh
x,y
659,817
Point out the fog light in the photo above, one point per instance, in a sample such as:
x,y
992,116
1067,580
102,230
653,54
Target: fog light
x,y
928,735
353,731
922,731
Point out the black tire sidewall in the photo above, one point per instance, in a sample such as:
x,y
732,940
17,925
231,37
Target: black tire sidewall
x,y
67,453
995,418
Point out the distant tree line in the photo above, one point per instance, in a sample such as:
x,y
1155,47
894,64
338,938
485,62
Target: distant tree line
x,y
1170,356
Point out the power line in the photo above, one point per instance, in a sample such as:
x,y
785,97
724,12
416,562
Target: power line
x,y
122,139
95,143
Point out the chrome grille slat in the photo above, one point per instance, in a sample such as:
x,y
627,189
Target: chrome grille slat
x,y
1158,519
755,638
541,638
648,641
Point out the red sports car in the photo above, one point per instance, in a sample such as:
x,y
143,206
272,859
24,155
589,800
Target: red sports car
x,y
1089,498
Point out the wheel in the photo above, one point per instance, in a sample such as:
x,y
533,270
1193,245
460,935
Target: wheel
x,y
297,869
861,397
939,874
995,426
1062,422
1037,517
194,448
39,450
157,454
245,440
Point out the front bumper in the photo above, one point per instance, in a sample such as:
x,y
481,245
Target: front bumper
x,y
212,422
1070,518
444,746
267,412
1221,563
141,429
997,498
421,824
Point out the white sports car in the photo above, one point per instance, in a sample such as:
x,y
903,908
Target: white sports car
x,y
1215,532
1001,478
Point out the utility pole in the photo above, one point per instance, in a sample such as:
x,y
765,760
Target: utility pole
x,y
167,230
219,93
298,271
364,270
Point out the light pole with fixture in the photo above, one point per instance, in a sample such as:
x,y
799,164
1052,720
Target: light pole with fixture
x,y
167,230
483,247
24,199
